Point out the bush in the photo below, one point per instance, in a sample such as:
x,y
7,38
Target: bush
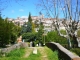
x,y
76,50
13,38
29,36
17,52
53,36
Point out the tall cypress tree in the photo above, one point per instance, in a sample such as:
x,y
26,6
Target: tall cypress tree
x,y
29,18
29,24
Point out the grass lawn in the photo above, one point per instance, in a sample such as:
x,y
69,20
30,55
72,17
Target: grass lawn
x,y
51,55
19,54
14,55
34,56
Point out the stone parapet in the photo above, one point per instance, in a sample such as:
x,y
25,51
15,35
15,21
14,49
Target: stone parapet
x,y
63,53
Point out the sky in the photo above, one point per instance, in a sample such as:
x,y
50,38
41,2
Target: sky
x,y
19,9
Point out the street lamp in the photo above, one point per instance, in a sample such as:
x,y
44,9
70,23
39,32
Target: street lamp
x,y
45,33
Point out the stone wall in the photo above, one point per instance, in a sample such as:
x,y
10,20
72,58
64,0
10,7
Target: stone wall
x,y
3,51
63,53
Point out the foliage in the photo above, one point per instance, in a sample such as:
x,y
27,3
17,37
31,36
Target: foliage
x,y
29,27
24,28
33,27
53,36
76,50
34,56
29,18
29,24
14,55
40,33
63,32
29,36
4,29
52,55
8,32
27,31
15,32
17,52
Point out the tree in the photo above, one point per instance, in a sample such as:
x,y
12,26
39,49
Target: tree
x,y
29,18
55,8
28,32
29,36
29,24
29,27
24,28
8,32
4,32
15,32
33,27
40,33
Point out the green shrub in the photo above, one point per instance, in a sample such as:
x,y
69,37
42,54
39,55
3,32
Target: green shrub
x,y
65,45
29,36
76,50
53,36
16,53
52,55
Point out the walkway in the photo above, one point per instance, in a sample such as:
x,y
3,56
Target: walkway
x,y
40,49
28,52
43,53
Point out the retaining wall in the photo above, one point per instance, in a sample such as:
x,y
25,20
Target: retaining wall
x,y
3,51
63,53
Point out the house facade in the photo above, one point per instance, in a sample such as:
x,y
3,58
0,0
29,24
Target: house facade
x,y
47,22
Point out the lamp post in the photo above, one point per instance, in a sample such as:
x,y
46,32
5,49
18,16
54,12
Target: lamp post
x,y
45,33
